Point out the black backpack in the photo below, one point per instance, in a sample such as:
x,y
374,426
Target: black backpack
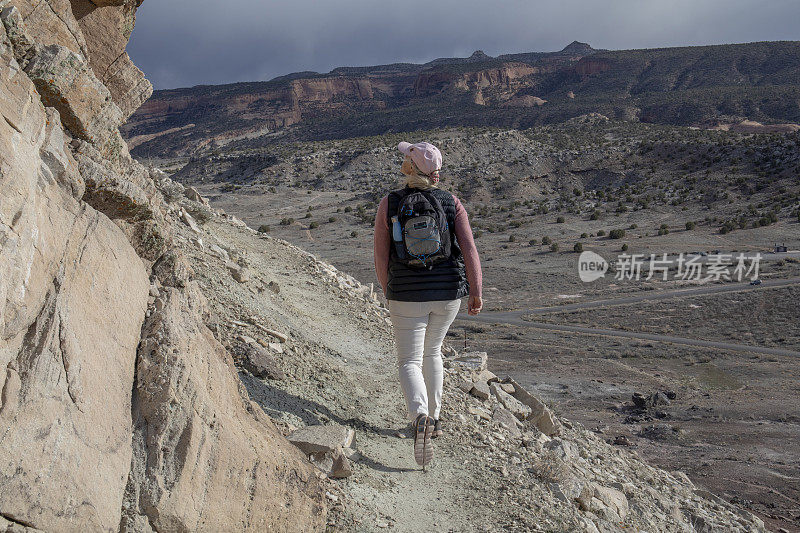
x,y
423,230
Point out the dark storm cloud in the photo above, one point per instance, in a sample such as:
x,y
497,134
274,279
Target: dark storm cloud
x,y
181,43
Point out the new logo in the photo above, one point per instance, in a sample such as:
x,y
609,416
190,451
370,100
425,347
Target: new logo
x,y
591,266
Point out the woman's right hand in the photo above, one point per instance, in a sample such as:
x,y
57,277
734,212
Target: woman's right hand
x,y
474,305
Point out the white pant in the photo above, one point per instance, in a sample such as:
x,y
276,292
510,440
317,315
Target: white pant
x,y
419,329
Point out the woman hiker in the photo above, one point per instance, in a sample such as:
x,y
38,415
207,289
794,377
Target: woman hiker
x,y
425,261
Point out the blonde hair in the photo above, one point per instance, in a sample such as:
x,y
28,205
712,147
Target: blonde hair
x,y
414,178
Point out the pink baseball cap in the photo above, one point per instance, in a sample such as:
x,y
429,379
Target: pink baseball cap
x,y
426,156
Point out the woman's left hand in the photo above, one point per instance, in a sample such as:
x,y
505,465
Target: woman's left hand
x,y
474,305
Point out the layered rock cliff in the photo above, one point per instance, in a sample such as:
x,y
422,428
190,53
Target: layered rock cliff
x,y
119,408
690,86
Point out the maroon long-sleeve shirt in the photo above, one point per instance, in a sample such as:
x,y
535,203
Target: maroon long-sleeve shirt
x,y
463,231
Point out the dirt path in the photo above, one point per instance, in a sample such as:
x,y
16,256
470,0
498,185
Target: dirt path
x,y
349,376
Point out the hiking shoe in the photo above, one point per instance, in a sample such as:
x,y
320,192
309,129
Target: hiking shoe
x,y
423,445
437,429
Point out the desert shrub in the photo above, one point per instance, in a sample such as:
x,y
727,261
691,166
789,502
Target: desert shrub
x,y
354,233
331,219
348,209
287,221
308,215
201,213
616,233
690,226
560,220
263,228
584,235
477,233
601,232
313,225
578,248
633,226
595,215
554,247
546,240
512,238
533,242
625,247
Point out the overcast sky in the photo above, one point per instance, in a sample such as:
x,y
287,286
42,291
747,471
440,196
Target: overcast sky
x,y
180,43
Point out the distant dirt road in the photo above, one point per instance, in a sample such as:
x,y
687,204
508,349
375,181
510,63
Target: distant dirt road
x,y
516,317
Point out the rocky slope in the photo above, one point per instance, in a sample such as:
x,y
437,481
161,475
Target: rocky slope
x,y
698,86
120,410
314,350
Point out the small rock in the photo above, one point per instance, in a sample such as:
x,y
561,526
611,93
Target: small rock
x,y
192,194
465,386
519,409
486,375
479,413
622,440
189,221
613,499
261,364
475,361
448,350
218,251
322,438
239,273
480,390
540,415
247,340
508,387
275,347
341,466
562,449
506,419
274,287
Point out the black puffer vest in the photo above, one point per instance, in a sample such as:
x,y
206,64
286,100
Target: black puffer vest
x,y
447,279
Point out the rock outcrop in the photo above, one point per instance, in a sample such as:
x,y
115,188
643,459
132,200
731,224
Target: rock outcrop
x,y
119,407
